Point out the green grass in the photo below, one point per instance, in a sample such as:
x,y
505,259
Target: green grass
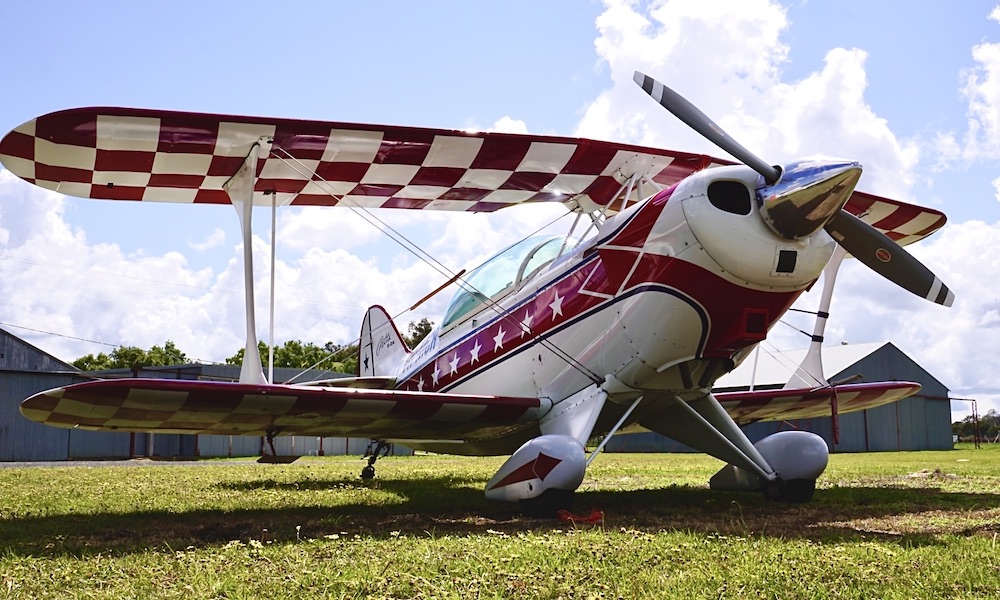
x,y
888,525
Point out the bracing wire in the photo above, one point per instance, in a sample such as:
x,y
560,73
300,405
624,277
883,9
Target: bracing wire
x,y
421,254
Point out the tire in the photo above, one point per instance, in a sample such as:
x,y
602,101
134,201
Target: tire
x,y
548,503
793,491
798,491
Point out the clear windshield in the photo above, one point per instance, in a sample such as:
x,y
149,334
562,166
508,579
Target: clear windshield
x,y
502,274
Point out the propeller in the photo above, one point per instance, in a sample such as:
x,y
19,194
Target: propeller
x,y
887,258
699,121
869,245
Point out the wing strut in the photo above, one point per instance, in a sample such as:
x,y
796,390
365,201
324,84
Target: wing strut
x,y
274,250
240,191
809,374
614,430
705,425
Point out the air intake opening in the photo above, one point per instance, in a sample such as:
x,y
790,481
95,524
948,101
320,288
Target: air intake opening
x,y
786,261
730,196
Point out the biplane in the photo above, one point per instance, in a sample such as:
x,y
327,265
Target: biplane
x,y
685,264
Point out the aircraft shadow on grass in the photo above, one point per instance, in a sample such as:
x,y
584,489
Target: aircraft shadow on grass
x,y
418,510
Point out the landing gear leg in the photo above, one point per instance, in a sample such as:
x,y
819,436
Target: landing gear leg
x,y
273,457
376,448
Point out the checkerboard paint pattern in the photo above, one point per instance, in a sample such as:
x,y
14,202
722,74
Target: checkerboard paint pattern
x,y
782,405
178,406
212,407
163,156
129,154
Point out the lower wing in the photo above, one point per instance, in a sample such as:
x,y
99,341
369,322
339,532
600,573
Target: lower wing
x,y
787,404
211,407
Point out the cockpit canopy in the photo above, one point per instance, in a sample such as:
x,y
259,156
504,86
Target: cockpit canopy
x,y
502,274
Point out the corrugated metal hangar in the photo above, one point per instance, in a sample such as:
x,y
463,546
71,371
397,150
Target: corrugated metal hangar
x,y
26,370
917,423
920,422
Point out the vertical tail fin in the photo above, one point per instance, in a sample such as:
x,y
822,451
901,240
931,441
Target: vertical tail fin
x,y
382,348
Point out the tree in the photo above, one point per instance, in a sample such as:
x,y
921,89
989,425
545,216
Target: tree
x,y
297,354
132,357
168,354
344,358
989,426
417,331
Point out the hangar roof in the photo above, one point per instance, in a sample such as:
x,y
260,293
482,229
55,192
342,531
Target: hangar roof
x,y
774,368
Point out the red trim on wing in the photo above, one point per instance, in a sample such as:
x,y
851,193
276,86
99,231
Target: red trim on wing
x,y
207,407
186,157
895,218
784,404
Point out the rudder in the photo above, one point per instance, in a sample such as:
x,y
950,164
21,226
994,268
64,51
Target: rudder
x,y
382,348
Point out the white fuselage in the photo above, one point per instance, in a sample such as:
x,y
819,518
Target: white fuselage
x,y
669,295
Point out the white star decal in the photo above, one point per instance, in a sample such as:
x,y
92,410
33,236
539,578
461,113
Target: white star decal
x,y
454,364
498,340
556,306
475,351
526,324
420,385
436,374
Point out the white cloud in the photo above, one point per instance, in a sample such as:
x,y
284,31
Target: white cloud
x,y
214,240
982,90
715,54
507,124
726,58
53,280
302,229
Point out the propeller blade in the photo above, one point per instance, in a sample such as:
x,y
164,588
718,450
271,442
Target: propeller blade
x,y
887,258
699,121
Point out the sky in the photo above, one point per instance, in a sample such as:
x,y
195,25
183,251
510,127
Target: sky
x,y
911,88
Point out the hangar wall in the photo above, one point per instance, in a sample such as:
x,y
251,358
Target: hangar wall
x,y
26,370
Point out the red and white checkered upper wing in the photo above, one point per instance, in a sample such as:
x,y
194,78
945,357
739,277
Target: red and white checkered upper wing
x,y
164,156
902,222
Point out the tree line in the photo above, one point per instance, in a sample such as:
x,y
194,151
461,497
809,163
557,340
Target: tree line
x,y
294,354
989,427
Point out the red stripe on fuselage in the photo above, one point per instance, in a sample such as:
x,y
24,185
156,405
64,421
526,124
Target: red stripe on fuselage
x,y
562,304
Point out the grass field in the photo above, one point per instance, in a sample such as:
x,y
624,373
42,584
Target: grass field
x,y
886,525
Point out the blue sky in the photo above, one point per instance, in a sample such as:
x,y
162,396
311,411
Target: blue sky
x,y
896,84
